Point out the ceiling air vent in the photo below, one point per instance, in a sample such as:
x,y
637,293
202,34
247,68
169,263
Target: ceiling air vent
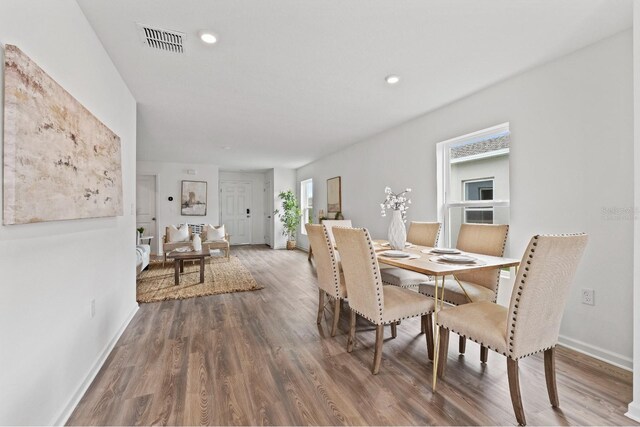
x,y
157,38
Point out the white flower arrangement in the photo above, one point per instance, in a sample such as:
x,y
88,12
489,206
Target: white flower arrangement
x,y
396,201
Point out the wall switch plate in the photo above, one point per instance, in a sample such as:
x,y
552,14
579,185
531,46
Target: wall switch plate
x,y
93,308
588,296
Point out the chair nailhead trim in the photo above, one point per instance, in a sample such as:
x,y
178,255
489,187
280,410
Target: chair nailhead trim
x,y
520,291
334,263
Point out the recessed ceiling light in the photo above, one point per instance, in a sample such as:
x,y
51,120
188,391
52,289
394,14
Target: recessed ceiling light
x,y
392,79
208,37
226,147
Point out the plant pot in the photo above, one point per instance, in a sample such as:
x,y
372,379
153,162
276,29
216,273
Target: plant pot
x,y
291,244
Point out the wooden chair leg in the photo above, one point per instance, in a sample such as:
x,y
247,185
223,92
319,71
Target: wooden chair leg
x,y
422,329
514,388
310,254
320,305
462,344
484,354
427,326
352,332
394,329
377,357
336,316
550,375
444,351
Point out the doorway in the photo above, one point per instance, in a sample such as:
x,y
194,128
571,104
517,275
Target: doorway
x,y
146,208
236,211
268,213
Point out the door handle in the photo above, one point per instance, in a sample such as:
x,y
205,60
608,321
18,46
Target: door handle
x,y
153,219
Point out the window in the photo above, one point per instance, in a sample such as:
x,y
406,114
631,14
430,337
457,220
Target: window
x,y
478,190
473,180
306,202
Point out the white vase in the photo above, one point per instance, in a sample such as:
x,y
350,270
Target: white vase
x,y
397,232
197,243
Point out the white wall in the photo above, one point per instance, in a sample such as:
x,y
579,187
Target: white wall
x,y
169,183
283,179
51,347
257,200
634,406
571,123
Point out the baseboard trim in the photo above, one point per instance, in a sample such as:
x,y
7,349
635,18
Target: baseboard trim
x,y
75,399
633,412
610,357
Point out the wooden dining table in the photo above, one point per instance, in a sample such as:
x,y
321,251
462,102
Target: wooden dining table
x,y
423,260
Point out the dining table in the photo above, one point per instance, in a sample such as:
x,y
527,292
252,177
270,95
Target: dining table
x,y
433,262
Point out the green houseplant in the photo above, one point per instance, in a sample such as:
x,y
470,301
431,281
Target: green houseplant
x,y
290,216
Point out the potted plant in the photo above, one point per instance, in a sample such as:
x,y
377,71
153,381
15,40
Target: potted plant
x,y
289,216
140,230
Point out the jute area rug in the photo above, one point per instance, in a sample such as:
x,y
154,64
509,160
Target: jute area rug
x,y
221,276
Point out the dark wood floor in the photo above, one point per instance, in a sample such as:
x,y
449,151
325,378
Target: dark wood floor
x,y
259,358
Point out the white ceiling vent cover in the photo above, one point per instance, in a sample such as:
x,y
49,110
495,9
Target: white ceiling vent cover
x,y
157,38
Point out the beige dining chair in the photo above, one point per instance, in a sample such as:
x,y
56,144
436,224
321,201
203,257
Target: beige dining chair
x,y
482,285
330,279
532,322
422,234
368,297
330,223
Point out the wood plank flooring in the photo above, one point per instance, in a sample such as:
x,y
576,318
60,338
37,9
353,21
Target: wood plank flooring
x,y
259,358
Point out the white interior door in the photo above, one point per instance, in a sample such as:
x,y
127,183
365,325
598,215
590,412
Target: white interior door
x,y
268,212
235,210
146,207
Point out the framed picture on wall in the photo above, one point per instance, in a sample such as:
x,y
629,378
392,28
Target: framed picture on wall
x,y
194,198
334,195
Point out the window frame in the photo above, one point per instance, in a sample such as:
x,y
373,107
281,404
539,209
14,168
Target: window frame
x,y
476,207
303,204
443,177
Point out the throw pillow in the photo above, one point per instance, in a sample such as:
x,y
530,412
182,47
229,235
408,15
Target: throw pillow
x,y
214,233
178,234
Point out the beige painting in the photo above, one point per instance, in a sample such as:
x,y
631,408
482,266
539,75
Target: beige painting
x,y
194,198
334,195
60,161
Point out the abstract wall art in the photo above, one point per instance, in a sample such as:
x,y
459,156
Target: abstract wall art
x,y
60,161
334,195
194,198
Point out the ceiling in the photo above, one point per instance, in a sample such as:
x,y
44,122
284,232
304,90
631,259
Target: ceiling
x,y
291,81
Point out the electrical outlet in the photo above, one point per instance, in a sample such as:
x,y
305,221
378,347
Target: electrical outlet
x,y
93,308
588,296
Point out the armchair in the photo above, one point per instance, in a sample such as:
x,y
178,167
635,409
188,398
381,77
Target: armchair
x,y
175,238
211,236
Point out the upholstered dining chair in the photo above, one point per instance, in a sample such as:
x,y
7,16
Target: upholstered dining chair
x,y
368,297
330,223
422,234
532,322
486,239
330,279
